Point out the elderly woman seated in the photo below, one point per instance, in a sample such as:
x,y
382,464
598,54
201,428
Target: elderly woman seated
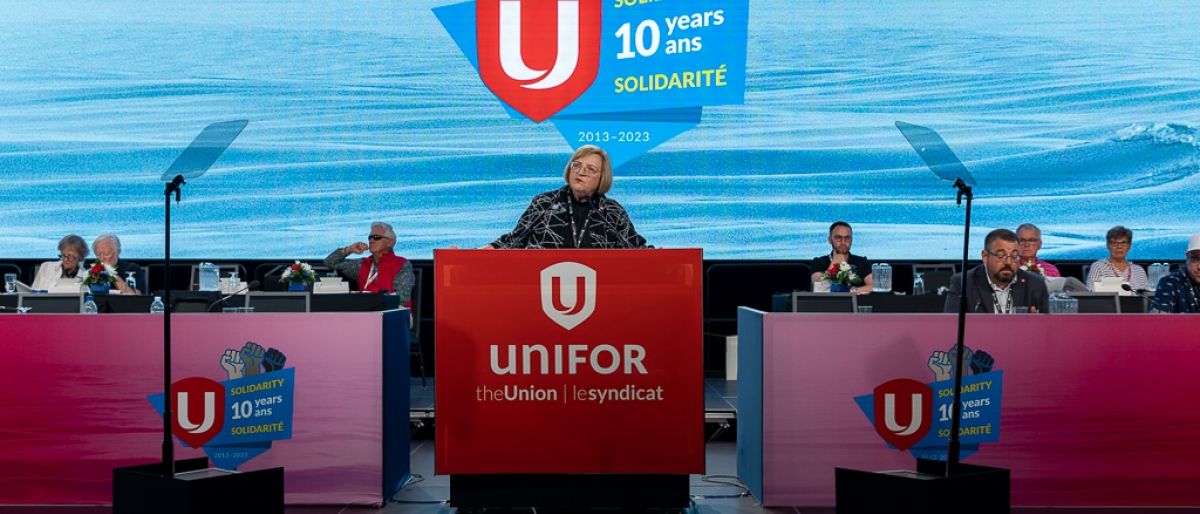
x,y
72,250
1119,240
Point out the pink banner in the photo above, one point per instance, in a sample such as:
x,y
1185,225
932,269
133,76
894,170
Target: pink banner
x,y
1097,409
74,400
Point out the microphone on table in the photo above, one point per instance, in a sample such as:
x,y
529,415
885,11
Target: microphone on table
x,y
253,284
1128,288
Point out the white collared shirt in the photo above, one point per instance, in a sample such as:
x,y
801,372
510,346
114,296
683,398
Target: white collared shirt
x,y
1001,296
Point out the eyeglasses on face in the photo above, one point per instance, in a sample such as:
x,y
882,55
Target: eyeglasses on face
x,y
584,170
376,237
1003,256
68,257
1120,244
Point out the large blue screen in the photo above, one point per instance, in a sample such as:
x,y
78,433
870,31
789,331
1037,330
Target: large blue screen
x,y
1075,115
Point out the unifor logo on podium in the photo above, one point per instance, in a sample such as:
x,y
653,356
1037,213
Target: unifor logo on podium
x,y
555,361
568,293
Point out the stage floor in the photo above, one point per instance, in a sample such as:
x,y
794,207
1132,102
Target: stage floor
x,y
715,493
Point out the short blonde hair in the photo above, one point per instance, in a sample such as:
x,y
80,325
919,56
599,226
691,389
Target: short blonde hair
x,y
606,172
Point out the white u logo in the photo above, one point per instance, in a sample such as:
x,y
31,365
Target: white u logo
x,y
567,57
210,400
889,415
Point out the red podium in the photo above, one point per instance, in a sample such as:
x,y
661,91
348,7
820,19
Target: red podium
x,y
569,378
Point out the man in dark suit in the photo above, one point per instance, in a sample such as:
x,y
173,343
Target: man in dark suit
x,y
998,285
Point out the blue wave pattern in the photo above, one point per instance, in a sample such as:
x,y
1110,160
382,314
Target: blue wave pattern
x,y
1076,116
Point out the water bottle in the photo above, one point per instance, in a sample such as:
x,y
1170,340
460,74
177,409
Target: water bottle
x,y
882,281
1056,302
1071,305
918,283
1156,272
208,276
157,307
1063,303
89,304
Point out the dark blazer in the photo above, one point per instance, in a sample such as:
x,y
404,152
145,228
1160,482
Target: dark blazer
x,y
1028,290
547,224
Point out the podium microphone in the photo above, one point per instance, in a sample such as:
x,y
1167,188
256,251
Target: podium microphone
x,y
253,284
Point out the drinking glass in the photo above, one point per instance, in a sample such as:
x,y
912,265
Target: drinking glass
x,y
882,281
918,283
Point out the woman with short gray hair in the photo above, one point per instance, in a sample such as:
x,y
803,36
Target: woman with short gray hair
x,y
1119,241
72,249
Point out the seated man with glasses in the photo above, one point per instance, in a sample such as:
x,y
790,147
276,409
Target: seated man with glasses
x,y
383,271
72,250
1029,241
998,285
1179,291
1119,240
841,238
577,215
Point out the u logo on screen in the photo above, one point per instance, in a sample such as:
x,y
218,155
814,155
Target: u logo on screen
x,y
903,409
191,396
538,76
568,293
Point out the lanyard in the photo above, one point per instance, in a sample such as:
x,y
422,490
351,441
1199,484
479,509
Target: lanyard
x,y
371,276
576,236
1128,271
1008,305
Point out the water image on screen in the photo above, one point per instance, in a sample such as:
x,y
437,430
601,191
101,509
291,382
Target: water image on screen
x,y
1073,115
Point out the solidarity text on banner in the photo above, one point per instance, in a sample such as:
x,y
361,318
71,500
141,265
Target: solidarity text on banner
x,y
238,418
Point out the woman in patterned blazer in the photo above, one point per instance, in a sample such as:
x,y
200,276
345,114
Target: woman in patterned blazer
x,y
577,215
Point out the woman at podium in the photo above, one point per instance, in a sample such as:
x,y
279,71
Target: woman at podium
x,y
72,250
577,215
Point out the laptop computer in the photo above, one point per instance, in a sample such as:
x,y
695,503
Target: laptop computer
x,y
1108,285
68,285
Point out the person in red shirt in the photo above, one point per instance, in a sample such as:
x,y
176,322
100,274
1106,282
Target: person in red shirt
x,y
383,271
1029,241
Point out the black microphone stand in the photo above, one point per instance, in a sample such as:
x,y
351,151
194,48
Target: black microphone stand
x,y
936,487
952,451
190,485
168,445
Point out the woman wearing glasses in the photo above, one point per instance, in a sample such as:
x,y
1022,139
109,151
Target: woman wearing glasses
x,y
577,215
1119,240
71,251
383,271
